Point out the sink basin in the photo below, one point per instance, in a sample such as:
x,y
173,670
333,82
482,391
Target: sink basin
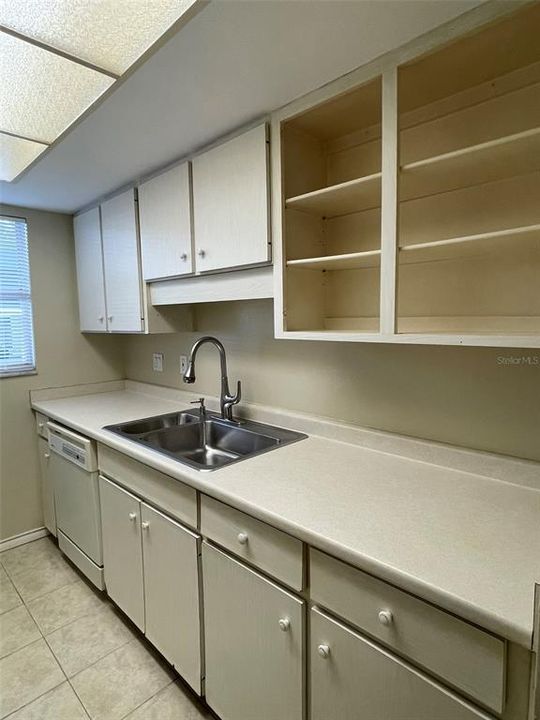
x,y
140,427
204,444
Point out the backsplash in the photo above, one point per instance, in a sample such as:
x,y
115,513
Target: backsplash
x,y
481,398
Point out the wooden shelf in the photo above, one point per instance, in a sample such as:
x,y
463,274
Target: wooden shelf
x,y
348,261
467,245
504,157
348,197
470,325
443,325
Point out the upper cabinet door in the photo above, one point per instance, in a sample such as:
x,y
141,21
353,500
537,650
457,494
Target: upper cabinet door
x,y
165,224
231,203
121,261
89,259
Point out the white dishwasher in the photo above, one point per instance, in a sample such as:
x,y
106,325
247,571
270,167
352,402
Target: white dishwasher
x,y
74,475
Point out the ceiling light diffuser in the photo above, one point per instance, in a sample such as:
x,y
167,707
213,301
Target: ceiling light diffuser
x,y
16,154
41,94
59,56
110,34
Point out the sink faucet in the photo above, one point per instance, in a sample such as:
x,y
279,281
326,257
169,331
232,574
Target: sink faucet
x,y
226,400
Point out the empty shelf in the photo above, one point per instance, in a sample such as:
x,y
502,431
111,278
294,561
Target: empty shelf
x,y
348,197
470,325
504,157
468,245
368,258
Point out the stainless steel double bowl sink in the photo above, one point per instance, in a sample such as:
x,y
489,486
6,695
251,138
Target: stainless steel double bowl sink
x,y
204,442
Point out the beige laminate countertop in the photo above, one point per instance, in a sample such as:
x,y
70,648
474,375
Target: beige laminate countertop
x,y
462,540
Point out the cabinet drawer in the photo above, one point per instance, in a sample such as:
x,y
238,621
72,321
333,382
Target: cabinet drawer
x,y
271,550
356,679
460,653
41,425
176,499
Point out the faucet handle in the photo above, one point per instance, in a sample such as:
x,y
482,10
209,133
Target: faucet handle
x,y
236,398
200,401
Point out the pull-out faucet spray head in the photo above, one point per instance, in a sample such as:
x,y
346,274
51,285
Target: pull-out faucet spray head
x,y
227,400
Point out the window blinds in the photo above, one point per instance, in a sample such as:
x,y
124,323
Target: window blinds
x,y
16,327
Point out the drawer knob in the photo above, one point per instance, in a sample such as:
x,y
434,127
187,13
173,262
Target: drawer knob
x,y
132,517
243,538
145,525
284,624
324,651
386,617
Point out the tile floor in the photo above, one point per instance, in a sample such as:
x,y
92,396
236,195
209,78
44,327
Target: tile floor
x,y
66,652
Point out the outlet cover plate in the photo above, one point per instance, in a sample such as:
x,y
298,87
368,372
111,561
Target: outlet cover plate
x,y
157,362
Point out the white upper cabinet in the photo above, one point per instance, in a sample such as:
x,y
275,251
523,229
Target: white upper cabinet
x,y
121,263
165,224
230,203
89,259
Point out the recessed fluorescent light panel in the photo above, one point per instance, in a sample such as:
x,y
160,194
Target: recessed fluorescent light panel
x,y
59,57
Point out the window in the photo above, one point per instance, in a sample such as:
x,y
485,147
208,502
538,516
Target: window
x,y
16,325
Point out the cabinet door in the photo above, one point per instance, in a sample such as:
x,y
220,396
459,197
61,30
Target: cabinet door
x,y
122,551
254,638
356,679
165,224
121,263
47,487
230,203
171,582
90,282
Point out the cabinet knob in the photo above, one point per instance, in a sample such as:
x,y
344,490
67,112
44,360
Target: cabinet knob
x,y
386,617
46,455
145,525
183,257
284,624
110,318
41,425
243,538
324,651
201,253
132,517
101,318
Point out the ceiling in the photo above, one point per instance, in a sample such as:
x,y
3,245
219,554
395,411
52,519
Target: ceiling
x,y
234,61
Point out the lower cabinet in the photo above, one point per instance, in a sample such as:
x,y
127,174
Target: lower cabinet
x,y
254,636
152,574
47,487
355,679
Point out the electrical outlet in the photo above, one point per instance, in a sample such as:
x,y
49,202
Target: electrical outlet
x,y
157,362
183,364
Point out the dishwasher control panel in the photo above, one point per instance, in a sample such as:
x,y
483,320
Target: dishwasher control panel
x,y
76,448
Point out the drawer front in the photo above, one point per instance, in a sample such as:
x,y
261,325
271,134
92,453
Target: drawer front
x,y
356,679
41,425
463,655
269,549
176,499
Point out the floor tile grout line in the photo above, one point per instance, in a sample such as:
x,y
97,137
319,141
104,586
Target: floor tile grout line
x,y
26,644
126,716
37,597
6,717
70,622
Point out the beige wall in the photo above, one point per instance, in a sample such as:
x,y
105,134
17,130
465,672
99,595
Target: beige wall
x,y
63,355
458,395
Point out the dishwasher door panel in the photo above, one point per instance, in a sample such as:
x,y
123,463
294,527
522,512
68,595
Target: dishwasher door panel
x,y
77,505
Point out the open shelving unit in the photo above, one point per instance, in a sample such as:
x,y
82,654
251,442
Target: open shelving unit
x,y
409,193
332,186
482,276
